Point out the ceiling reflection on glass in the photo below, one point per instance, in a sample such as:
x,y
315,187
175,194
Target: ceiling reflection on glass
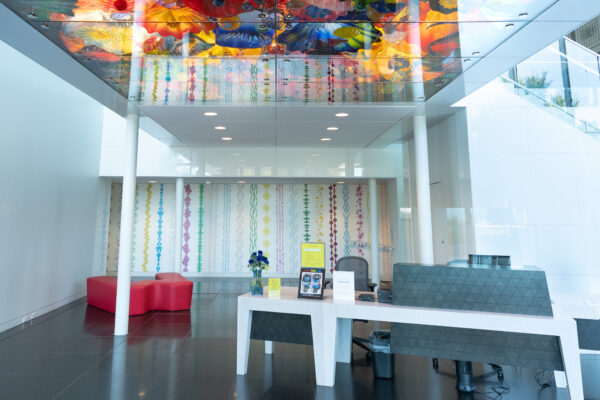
x,y
176,52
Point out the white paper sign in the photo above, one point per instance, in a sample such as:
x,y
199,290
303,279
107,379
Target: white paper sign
x,y
343,286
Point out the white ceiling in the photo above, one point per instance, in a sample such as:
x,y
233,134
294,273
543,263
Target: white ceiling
x,y
285,125
278,125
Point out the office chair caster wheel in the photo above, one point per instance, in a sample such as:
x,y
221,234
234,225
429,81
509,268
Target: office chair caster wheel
x,y
436,363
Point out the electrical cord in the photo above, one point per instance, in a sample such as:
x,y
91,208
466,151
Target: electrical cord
x,y
543,380
495,393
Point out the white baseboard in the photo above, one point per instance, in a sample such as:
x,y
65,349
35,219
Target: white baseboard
x,y
6,325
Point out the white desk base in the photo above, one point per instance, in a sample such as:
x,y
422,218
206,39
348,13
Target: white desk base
x,y
332,329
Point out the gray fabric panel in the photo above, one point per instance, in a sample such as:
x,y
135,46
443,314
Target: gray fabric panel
x,y
279,327
493,289
588,331
518,349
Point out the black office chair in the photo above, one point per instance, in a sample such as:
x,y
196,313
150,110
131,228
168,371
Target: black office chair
x,y
481,259
360,267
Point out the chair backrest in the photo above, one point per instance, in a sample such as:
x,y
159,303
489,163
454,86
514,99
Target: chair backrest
x,y
359,266
489,259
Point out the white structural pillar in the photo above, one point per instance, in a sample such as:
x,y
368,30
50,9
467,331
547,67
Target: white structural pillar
x,y
423,193
374,225
129,175
178,224
126,234
401,238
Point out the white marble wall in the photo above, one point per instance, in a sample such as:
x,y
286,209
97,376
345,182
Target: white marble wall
x,y
49,160
535,188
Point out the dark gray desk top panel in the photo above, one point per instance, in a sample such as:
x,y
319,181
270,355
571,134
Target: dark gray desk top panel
x,y
279,327
502,348
588,332
520,290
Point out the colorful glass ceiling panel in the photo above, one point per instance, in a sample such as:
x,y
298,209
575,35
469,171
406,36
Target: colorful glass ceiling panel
x,y
178,52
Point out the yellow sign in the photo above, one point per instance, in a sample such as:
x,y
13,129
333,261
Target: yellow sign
x,y
275,287
313,255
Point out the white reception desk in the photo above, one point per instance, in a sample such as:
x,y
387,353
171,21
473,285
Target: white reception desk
x,y
332,328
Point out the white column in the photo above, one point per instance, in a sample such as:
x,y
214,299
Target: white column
x,y
129,175
126,234
423,196
374,224
401,239
178,224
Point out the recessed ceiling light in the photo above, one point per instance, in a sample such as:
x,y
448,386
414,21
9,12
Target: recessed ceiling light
x,y
151,181
226,138
315,155
220,128
211,114
236,154
509,25
208,182
241,181
475,53
325,139
341,115
467,60
524,14
340,183
332,128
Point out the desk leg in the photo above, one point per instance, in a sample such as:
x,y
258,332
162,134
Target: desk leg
x,y
343,351
244,323
323,334
268,347
570,353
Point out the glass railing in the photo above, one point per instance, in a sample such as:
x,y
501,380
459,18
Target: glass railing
x,y
564,78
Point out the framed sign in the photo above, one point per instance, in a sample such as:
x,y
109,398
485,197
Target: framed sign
x,y
313,255
311,283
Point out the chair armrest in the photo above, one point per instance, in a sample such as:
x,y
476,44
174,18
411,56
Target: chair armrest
x,y
326,283
372,286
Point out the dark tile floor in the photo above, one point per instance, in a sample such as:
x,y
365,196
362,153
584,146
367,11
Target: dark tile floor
x,y
71,354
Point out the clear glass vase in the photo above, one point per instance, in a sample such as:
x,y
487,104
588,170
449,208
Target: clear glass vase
x,y
256,284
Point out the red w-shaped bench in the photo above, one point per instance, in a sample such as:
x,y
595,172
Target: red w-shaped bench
x,y
169,292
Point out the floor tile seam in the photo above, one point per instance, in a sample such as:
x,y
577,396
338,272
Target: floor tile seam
x,y
40,319
81,375
132,333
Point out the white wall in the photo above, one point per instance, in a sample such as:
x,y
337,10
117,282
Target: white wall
x,y
536,188
450,185
49,161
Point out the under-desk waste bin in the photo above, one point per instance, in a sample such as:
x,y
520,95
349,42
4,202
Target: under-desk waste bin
x,y
383,360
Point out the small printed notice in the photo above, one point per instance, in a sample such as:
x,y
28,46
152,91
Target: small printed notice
x,y
274,288
343,286
313,255
312,281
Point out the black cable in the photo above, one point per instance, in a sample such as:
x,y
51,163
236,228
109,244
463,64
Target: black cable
x,y
495,393
543,381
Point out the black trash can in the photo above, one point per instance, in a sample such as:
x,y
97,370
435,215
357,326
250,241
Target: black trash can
x,y
383,360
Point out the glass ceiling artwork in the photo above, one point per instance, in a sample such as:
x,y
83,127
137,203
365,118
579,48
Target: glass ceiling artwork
x,y
193,52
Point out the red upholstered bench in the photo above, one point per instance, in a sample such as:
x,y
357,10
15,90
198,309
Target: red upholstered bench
x,y
169,292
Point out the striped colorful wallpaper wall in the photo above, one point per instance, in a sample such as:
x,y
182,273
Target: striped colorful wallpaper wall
x,y
223,223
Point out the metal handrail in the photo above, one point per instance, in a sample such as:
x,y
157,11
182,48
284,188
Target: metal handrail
x,y
551,104
592,52
577,62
